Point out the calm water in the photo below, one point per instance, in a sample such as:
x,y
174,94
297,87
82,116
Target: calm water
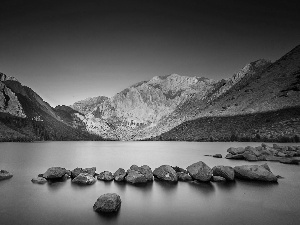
x,y
22,202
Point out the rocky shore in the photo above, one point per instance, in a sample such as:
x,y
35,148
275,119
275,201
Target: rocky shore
x,y
197,172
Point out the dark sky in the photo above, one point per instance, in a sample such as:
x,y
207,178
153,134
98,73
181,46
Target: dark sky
x,y
70,50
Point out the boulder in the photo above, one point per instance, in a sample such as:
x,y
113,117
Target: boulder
x,y
291,154
54,173
39,180
217,179
289,161
183,176
77,171
84,178
280,154
179,170
254,172
224,171
250,157
144,170
200,171
120,174
106,203
5,175
106,176
135,177
217,156
166,173
238,156
235,151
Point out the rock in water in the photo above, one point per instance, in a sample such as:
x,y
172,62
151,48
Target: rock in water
x,y
238,156
109,202
217,156
145,170
200,171
224,171
5,175
84,178
135,177
236,151
77,171
39,180
166,173
106,176
289,161
120,174
55,173
255,172
183,176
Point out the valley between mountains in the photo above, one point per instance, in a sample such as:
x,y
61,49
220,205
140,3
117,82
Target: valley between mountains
x,y
261,102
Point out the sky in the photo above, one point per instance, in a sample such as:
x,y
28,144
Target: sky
x,y
70,50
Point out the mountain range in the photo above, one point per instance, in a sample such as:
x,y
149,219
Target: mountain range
x,y
260,102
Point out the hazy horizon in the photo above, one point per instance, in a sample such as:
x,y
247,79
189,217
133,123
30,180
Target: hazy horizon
x,y
69,51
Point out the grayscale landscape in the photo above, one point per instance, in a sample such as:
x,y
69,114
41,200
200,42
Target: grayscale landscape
x,y
149,112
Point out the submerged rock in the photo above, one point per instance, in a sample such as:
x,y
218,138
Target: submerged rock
x,y
55,173
5,175
200,171
39,180
217,156
84,178
255,172
224,171
184,176
77,171
109,202
238,156
166,173
289,161
106,176
120,174
135,177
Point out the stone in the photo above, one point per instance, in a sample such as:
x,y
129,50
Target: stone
x,y
289,161
280,154
235,151
106,176
238,156
4,175
120,174
250,157
144,170
183,176
217,179
276,146
166,173
39,180
107,203
55,173
135,177
224,171
255,173
217,156
77,171
179,170
200,171
291,154
84,178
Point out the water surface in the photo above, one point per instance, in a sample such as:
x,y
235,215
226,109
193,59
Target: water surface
x,y
240,202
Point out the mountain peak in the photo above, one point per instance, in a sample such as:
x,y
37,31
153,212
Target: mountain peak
x,y
4,77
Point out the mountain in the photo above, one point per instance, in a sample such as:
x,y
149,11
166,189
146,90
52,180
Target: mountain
x,y
150,108
24,116
87,105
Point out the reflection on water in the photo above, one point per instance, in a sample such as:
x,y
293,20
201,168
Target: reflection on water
x,y
157,202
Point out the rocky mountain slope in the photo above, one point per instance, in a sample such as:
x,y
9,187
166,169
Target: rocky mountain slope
x,y
150,108
24,116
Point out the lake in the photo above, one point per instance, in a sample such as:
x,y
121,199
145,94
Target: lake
x,y
240,202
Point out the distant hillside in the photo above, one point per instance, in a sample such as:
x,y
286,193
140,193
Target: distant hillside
x,y
272,126
24,116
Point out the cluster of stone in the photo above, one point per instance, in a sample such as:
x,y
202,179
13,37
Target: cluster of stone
x,y
282,154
